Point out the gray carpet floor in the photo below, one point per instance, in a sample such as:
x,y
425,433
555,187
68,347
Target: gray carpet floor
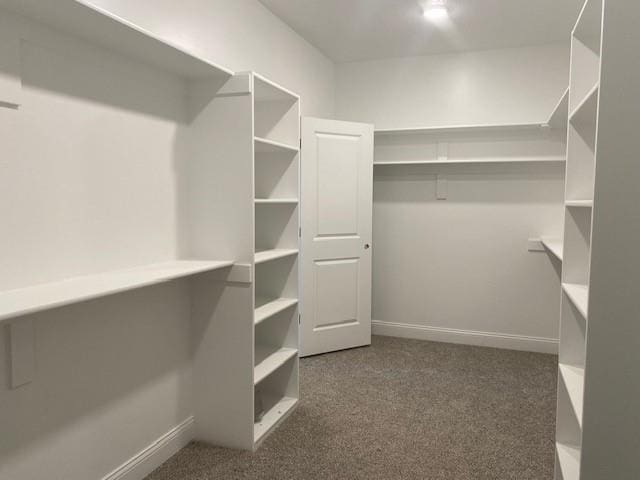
x,y
403,409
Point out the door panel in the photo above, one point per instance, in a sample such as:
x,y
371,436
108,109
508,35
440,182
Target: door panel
x,y
336,210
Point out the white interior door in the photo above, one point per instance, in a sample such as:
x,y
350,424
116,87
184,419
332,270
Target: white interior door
x,y
336,214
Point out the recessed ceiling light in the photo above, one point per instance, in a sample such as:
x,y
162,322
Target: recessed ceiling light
x,y
436,10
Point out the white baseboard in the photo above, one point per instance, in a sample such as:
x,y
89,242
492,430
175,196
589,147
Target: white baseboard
x,y
146,461
466,337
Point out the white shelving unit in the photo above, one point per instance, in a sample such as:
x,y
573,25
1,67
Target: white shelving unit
x,y
581,152
598,388
276,198
191,144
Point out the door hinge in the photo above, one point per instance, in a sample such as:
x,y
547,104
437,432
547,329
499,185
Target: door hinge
x,y
300,142
300,232
299,319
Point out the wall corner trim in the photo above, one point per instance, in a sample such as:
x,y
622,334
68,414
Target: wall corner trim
x,y
154,455
466,337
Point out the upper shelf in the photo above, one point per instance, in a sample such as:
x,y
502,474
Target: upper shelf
x,y
23,301
472,161
94,24
459,129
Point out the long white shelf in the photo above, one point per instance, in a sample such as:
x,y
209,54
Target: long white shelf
x,y
579,295
264,145
268,255
97,25
266,308
569,460
273,417
573,378
579,203
554,245
270,361
276,201
23,301
472,161
459,128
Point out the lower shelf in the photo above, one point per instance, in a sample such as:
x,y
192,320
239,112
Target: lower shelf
x,y
275,415
568,461
270,360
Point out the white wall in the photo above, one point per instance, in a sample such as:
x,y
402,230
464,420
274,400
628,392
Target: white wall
x,y
459,269
240,35
496,86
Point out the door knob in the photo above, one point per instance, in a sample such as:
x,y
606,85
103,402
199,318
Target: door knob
x,y
367,246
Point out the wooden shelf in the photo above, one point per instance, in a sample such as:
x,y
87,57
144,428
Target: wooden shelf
x,y
101,27
569,461
554,245
269,361
573,378
37,298
560,115
579,203
268,255
459,128
579,295
263,145
471,161
273,417
276,201
266,308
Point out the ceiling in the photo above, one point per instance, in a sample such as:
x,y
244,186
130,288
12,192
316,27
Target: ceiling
x,y
353,30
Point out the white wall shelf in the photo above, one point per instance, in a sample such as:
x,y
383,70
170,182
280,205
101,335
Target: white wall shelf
x,y
274,254
459,128
37,298
579,295
471,161
554,245
266,308
264,145
98,26
573,378
569,461
269,361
